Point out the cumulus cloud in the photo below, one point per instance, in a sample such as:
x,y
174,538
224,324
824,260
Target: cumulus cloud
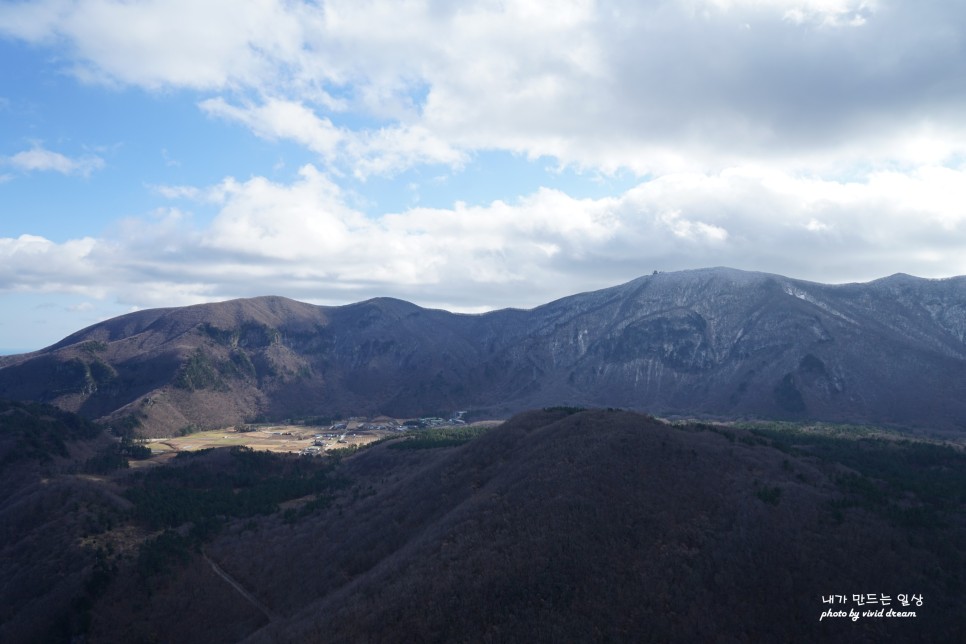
x,y
33,263
301,239
38,159
823,139
159,43
654,87
281,119
382,151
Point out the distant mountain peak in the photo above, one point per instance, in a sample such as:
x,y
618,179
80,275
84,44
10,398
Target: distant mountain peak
x,y
716,342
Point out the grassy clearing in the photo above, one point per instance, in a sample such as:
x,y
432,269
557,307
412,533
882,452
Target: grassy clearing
x,y
829,430
281,439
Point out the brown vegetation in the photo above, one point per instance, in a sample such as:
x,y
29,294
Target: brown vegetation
x,y
559,525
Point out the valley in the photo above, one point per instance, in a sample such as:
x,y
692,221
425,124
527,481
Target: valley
x,y
700,456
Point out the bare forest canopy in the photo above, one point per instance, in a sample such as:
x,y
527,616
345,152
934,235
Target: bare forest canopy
x,y
562,523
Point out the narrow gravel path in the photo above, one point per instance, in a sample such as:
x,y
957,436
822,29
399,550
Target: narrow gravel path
x,y
241,590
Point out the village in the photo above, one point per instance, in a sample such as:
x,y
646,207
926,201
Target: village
x,y
297,437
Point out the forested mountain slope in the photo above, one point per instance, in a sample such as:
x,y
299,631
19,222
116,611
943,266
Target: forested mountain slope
x,y
714,342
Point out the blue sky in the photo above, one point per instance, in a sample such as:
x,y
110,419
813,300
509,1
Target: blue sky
x,y
466,156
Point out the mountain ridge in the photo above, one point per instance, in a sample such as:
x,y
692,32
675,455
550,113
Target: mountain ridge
x,y
714,342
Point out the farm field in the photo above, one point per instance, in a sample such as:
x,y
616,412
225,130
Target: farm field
x,y
272,438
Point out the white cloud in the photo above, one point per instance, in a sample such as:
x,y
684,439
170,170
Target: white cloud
x,y
834,13
819,138
656,87
305,220
302,240
158,43
392,149
281,119
38,159
33,21
33,263
179,192
382,151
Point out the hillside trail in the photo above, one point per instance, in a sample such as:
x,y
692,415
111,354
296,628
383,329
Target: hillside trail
x,y
241,590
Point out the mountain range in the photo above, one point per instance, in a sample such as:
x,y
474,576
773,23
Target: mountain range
x,y
713,343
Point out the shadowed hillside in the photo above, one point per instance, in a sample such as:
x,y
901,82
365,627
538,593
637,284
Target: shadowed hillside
x,y
558,525
603,526
49,505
